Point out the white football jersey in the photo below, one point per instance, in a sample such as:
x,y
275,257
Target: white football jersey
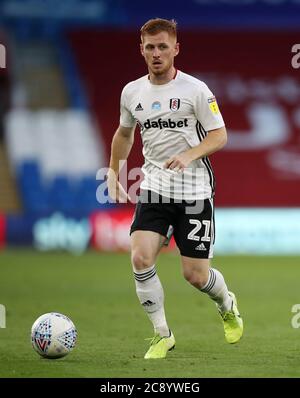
x,y
173,118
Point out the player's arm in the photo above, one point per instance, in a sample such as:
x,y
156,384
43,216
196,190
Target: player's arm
x,y
120,148
213,142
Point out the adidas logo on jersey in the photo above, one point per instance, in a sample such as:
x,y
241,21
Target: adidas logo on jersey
x,y
139,107
165,124
201,247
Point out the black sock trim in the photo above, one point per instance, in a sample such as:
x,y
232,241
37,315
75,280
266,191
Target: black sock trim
x,y
211,281
145,275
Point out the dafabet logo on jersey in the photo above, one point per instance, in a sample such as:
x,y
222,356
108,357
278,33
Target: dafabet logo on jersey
x,y
162,124
213,105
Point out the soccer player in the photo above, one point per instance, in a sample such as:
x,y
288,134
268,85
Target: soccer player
x,y
180,125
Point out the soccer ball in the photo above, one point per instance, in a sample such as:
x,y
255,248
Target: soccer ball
x,y
53,335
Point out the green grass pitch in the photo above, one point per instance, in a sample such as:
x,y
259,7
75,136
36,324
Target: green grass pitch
x,y
97,292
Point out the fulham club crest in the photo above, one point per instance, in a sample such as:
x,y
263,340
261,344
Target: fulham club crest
x,y
174,104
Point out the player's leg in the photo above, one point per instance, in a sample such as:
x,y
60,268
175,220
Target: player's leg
x,y
197,272
149,231
145,246
194,236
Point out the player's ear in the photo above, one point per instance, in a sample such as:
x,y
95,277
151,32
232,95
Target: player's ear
x,y
142,49
176,49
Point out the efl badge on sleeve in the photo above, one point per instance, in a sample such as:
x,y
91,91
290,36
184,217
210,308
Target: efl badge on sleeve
x,y
212,102
174,104
156,105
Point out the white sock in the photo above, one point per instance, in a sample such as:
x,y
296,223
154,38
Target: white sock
x,y
217,290
151,295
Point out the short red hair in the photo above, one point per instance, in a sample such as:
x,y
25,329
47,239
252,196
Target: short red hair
x,y
157,25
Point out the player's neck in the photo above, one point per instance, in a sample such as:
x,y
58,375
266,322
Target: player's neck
x,y
164,78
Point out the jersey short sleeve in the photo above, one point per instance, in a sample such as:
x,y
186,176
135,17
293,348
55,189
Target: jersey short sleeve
x,y
207,110
126,117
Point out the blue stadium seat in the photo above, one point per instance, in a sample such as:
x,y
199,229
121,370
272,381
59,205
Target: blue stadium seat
x,y
86,195
36,201
62,195
28,174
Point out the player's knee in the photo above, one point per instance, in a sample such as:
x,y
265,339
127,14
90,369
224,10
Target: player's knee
x,y
195,278
140,260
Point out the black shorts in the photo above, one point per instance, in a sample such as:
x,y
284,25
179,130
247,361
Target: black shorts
x,y
192,223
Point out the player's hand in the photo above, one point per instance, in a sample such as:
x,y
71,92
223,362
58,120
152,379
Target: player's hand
x,y
116,190
178,162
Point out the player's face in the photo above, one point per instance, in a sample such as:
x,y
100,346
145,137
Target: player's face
x,y
159,51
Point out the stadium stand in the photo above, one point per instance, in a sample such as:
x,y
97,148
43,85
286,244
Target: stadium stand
x,y
52,145
55,155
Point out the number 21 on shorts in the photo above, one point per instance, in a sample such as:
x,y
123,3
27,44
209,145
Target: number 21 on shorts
x,y
198,225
